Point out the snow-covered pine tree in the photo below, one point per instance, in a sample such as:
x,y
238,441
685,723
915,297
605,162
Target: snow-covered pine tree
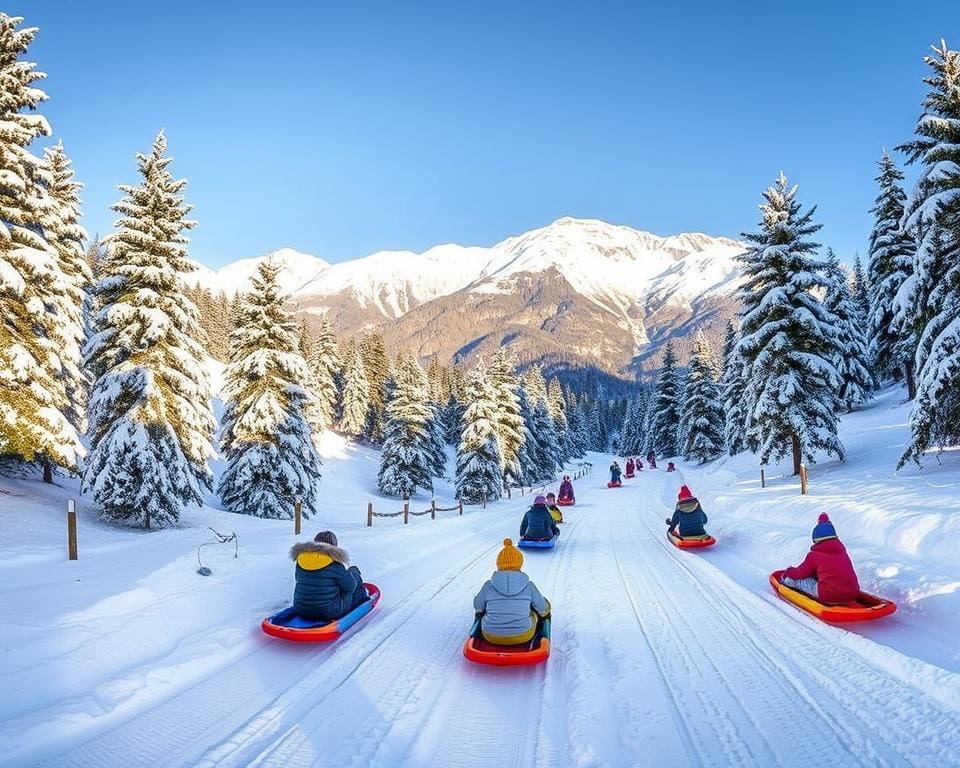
x,y
379,374
558,412
356,395
37,304
406,460
439,379
703,418
667,406
890,264
851,359
631,434
266,437
451,418
576,431
528,459
535,384
736,411
788,338
860,293
509,421
549,454
66,237
324,361
930,297
150,416
479,463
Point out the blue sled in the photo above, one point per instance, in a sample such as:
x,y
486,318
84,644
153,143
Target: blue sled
x,y
531,544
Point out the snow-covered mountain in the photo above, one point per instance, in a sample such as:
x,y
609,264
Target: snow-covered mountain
x,y
579,291
298,271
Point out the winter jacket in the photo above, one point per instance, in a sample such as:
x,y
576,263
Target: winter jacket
x,y
828,562
555,513
615,473
325,589
566,490
630,467
506,601
538,525
690,517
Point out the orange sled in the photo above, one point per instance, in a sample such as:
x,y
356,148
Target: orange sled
x,y
690,543
479,651
865,608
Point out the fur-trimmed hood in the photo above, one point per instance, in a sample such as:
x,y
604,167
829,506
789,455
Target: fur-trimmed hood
x,y
315,548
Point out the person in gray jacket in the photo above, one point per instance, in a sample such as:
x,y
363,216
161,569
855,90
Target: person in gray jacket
x,y
509,603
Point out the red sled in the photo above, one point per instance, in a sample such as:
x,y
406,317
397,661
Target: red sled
x,y
565,502
691,543
629,476
614,485
287,625
865,608
479,651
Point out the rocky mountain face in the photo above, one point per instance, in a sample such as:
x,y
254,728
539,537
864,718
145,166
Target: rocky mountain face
x,y
577,293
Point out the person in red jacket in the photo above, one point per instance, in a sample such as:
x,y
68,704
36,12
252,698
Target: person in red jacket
x,y
826,572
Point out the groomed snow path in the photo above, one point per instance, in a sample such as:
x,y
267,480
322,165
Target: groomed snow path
x,y
658,659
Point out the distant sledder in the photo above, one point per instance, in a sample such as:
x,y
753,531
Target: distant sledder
x,y
825,584
330,595
512,623
615,475
630,466
651,459
538,528
670,467
686,528
566,498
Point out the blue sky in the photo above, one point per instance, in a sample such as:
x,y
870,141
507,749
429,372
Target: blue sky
x,y
345,128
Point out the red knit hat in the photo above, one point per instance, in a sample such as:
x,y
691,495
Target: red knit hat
x,y
684,494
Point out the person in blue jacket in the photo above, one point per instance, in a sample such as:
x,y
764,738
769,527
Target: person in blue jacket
x,y
615,472
537,523
688,516
328,587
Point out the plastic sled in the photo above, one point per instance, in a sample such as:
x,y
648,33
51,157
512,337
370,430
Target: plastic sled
x,y
697,542
479,651
614,485
629,476
865,608
287,625
565,502
534,544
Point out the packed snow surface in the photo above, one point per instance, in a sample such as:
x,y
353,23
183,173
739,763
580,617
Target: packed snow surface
x,y
661,657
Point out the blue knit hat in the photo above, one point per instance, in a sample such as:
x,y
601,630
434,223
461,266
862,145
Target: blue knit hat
x,y
824,529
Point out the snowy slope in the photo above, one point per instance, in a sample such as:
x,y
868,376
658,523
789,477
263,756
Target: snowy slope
x,y
660,657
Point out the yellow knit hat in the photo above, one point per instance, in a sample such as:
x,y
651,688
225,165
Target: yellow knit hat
x,y
510,558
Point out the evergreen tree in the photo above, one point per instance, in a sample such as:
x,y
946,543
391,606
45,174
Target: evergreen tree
x,y
406,461
379,377
323,362
40,301
508,418
558,408
150,416
788,338
451,418
439,378
529,458
703,416
535,384
860,293
576,432
931,295
266,437
548,452
851,359
356,396
667,406
479,462
632,437
890,265
733,390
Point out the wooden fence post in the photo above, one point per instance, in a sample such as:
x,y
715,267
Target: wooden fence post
x,y
461,507
763,478
484,501
72,529
803,479
433,509
369,514
297,512
406,510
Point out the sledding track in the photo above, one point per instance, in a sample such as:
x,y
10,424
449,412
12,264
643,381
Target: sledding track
x,y
658,659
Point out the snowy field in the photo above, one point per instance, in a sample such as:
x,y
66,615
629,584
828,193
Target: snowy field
x,y
127,657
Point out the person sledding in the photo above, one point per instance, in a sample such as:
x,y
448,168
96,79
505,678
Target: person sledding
x,y
639,463
615,473
554,510
826,573
652,459
688,519
327,586
630,467
566,491
538,523
509,605
671,467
